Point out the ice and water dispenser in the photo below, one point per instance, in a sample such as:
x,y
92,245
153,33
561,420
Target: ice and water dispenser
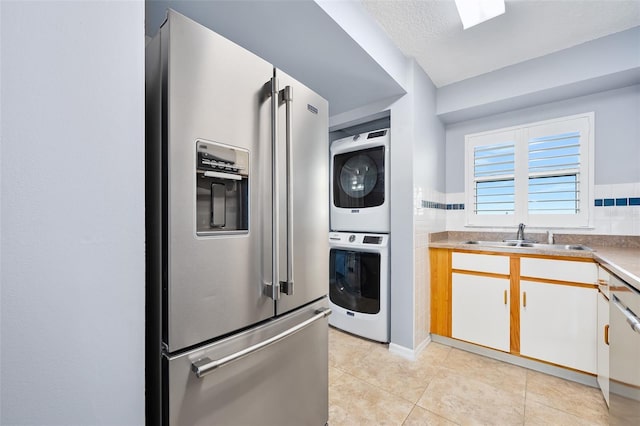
x,y
222,188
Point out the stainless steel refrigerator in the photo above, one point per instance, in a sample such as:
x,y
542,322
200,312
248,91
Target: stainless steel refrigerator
x,y
237,219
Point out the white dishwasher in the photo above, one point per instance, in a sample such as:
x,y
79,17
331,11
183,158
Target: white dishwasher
x,y
624,339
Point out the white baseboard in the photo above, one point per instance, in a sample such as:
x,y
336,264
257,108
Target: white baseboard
x,y
410,354
564,373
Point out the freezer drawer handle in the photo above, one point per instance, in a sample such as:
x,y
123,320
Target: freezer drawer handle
x,y
205,366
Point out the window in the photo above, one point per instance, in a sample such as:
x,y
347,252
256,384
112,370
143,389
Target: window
x,y
494,168
540,174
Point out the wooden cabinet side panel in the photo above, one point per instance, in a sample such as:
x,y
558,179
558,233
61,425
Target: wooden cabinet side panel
x,y
440,261
515,305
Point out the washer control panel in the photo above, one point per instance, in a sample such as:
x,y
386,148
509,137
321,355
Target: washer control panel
x,y
358,239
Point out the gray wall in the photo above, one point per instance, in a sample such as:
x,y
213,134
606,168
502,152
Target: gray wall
x,y
429,138
606,63
417,159
72,213
303,40
401,239
617,138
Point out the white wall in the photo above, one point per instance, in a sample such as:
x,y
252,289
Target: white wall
x,y
72,213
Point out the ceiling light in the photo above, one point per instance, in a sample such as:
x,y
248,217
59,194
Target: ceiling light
x,y
473,12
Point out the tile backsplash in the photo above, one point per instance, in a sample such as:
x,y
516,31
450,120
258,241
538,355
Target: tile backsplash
x,y
616,211
609,202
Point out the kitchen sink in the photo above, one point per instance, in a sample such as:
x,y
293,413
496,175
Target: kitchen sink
x,y
527,244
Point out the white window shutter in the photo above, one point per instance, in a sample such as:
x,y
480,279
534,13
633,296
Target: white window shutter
x,y
560,170
490,186
540,174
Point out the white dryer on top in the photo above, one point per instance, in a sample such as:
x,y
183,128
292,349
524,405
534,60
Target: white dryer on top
x,y
360,183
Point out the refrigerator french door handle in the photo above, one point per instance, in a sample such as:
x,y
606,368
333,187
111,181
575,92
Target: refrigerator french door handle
x,y
272,289
286,96
205,366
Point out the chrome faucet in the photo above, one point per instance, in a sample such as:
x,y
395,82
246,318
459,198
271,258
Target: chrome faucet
x,y
520,234
549,237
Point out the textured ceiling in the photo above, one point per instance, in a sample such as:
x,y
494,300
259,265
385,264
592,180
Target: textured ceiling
x,y
431,32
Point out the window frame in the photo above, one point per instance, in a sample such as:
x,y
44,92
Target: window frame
x,y
521,135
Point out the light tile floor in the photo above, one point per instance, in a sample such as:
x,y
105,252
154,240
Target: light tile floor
x,y
368,385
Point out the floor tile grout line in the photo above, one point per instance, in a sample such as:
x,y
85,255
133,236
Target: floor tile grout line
x,y
429,410
442,365
408,415
381,388
384,391
556,408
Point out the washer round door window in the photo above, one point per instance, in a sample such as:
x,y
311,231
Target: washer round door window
x,y
358,178
354,280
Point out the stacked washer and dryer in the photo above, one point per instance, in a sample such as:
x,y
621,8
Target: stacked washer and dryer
x,y
359,238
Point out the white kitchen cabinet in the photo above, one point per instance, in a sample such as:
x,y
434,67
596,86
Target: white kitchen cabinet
x,y
603,345
558,324
480,310
480,263
562,270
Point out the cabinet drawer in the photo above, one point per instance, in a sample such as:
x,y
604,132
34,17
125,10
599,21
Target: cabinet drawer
x,y
480,263
561,270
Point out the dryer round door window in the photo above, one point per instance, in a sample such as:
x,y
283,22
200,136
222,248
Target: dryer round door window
x,y
358,178
354,280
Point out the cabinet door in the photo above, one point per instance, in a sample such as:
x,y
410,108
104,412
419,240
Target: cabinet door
x,y
480,310
558,324
603,345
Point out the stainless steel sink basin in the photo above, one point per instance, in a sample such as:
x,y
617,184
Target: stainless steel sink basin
x,y
525,244
573,247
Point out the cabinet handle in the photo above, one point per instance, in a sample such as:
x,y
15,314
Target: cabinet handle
x,y
524,299
606,334
505,297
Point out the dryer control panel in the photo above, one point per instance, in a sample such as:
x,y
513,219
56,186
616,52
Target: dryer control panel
x,y
358,239
370,239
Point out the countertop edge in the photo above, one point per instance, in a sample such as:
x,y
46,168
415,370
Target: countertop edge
x,y
622,273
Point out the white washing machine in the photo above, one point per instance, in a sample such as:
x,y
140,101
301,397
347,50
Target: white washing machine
x,y
360,183
359,284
